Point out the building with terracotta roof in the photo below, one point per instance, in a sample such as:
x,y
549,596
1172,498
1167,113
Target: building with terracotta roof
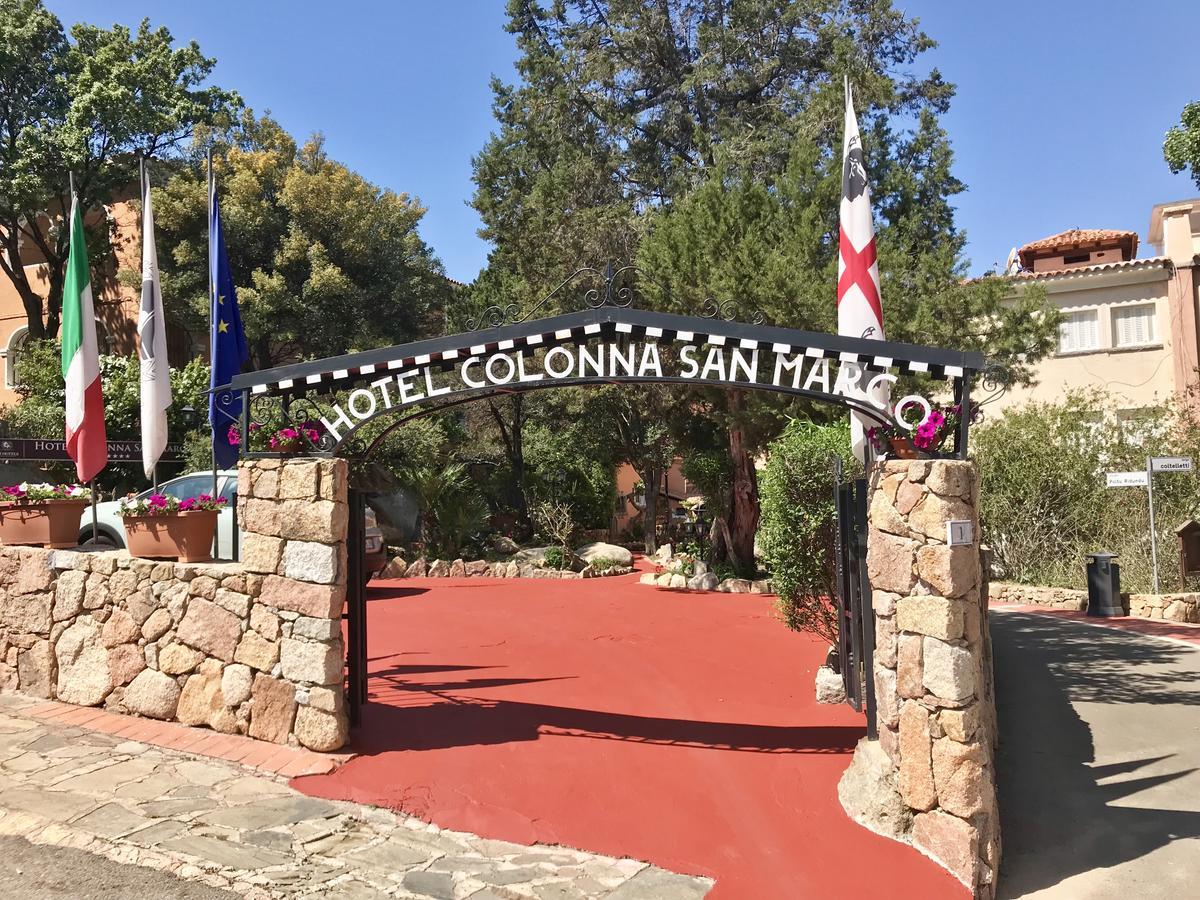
x,y
1129,325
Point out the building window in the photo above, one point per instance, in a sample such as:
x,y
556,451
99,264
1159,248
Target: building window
x,y
1133,326
1077,258
12,357
1079,331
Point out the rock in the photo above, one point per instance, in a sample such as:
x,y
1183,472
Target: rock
x,y
699,566
600,550
121,585
916,743
119,629
734,586
908,495
316,629
141,604
202,700
152,694
83,676
458,569
125,662
320,730
236,681
310,661
439,568
417,568
234,602
761,586
868,794
272,709
478,568
960,724
705,581
950,840
885,517
678,582
327,699
951,571
264,622
320,600
256,651
210,628
298,481
884,602
885,641
1176,611
959,773
157,625
310,561
261,553
890,562
934,511
68,594
26,614
512,570
203,586
35,669
177,659
663,553
534,555
663,580
888,700
934,616
951,478
648,578
949,671
830,688
35,574
505,545
394,569
910,666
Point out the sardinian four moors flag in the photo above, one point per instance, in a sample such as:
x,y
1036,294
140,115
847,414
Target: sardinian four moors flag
x,y
152,340
87,443
860,313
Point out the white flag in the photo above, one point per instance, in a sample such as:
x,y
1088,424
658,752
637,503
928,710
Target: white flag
x,y
860,311
152,340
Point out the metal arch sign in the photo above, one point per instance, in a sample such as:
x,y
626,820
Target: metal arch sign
x,y
615,345
611,361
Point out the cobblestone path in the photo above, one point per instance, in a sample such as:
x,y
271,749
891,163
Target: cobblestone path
x,y
219,824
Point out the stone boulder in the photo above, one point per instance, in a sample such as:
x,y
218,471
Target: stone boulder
x,y
868,793
395,568
83,676
703,581
830,689
152,694
600,550
648,578
533,555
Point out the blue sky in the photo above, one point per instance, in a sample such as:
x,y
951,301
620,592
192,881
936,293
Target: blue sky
x,y
1058,122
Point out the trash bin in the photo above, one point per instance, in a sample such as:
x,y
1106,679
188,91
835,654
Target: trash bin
x,y
1104,585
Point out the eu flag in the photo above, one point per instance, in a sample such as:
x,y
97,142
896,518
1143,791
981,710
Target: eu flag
x,y
227,345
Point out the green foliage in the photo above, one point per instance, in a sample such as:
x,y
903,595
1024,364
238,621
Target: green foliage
x,y
1181,148
798,523
452,513
324,261
603,563
1044,502
556,558
88,106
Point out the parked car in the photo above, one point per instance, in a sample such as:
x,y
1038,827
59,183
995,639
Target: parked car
x,y
110,527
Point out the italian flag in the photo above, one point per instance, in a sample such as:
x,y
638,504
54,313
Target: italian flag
x,y
87,443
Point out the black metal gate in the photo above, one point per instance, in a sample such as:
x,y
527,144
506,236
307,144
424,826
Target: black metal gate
x,y
856,617
356,606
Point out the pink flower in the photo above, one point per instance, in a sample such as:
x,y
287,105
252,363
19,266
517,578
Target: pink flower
x,y
185,505
158,501
234,436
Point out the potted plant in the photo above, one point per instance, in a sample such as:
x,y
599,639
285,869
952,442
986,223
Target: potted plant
x,y
45,515
929,438
163,527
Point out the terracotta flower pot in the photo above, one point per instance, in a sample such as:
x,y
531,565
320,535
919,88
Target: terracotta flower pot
x,y
902,448
42,523
185,536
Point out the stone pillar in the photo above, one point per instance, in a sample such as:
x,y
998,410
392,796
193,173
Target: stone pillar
x,y
294,515
930,779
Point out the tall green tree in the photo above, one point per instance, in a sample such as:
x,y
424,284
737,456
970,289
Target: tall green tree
x,y
706,136
88,105
324,261
1181,148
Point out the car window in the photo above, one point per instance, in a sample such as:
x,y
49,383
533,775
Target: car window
x,y
229,491
188,486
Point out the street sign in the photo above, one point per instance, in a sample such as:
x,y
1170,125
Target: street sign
x,y
46,450
1170,464
1127,479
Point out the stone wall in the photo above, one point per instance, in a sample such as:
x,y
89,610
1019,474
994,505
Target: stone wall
x,y
930,778
1183,607
243,648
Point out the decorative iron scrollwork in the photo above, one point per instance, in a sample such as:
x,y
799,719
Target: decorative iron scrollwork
x,y
614,290
727,310
994,382
495,316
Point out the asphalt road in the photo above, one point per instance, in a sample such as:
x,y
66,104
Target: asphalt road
x,y
1099,761
37,872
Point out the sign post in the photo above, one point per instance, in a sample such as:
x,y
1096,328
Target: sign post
x,y
1146,479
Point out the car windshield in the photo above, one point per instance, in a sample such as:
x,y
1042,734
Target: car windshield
x,y
187,486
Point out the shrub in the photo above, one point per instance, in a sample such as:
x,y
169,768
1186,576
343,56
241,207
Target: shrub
x,y
555,558
1044,503
603,563
556,522
796,533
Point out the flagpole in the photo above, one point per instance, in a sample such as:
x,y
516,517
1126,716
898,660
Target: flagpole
x,y
92,483
145,193
212,361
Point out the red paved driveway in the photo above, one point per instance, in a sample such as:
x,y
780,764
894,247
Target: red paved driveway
x,y
614,717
